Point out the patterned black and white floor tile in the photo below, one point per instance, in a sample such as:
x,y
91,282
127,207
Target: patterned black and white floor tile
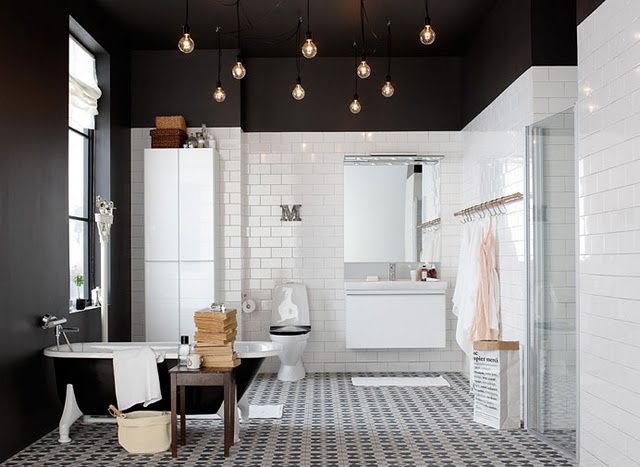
x,y
326,422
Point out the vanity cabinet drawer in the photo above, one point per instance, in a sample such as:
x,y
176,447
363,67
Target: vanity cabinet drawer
x,y
388,321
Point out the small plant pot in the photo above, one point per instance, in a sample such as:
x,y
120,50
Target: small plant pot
x,y
81,303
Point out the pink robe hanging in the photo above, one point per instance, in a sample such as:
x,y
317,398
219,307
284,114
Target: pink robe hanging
x,y
486,320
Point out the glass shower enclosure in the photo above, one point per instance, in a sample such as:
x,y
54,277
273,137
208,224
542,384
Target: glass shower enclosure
x,y
551,380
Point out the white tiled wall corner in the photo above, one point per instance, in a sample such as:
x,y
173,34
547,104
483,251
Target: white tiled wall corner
x,y
608,147
307,169
494,165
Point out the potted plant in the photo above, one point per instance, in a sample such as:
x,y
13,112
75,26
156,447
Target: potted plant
x,y
78,280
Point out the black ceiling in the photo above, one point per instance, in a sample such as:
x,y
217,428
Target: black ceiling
x,y
267,26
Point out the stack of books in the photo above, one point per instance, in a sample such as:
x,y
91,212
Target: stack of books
x,y
215,334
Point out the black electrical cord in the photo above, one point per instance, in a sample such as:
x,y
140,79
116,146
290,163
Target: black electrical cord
x,y
308,22
364,44
218,29
355,67
427,18
185,28
296,49
239,59
389,50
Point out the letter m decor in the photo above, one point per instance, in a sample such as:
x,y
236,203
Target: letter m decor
x,y
291,215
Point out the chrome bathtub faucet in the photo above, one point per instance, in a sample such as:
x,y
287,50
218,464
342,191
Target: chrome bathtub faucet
x,y
392,271
49,321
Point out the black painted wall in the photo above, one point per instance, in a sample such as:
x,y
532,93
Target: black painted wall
x,y
167,82
33,208
585,7
431,93
427,95
516,35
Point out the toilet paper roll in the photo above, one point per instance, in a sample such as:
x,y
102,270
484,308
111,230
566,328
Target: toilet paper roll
x,y
248,306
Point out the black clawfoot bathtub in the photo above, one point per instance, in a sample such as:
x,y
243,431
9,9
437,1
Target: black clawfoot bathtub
x,y
88,367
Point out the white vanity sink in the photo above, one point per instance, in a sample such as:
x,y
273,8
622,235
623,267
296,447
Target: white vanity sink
x,y
395,314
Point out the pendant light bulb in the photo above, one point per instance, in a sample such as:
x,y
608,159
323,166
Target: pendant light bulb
x,y
218,94
309,49
387,88
186,44
298,91
238,71
354,105
363,70
427,35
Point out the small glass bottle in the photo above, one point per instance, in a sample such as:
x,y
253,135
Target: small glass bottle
x,y
183,350
424,273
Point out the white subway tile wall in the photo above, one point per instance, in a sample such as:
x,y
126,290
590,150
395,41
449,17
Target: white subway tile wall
x,y
494,151
307,169
494,165
260,171
608,146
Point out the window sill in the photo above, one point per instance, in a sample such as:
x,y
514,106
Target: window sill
x,y
88,308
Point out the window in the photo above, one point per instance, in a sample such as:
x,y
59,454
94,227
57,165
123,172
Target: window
x,y
83,104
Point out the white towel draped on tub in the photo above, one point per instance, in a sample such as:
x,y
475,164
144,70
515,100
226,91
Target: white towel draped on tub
x,y
136,377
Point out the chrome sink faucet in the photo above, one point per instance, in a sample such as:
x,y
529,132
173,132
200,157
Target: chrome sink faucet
x,y
392,271
56,323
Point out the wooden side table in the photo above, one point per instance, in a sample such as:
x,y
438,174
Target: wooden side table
x,y
181,377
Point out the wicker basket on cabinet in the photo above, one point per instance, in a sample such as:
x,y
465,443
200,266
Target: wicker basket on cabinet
x,y
167,138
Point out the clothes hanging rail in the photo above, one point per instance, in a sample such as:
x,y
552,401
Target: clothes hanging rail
x,y
489,205
431,223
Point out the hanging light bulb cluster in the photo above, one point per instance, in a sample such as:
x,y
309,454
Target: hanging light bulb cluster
x,y
309,48
218,93
238,71
298,91
186,43
427,35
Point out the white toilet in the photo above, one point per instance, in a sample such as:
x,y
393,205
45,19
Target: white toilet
x,y
290,326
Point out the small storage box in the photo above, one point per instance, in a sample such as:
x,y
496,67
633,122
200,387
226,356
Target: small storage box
x,y
171,122
145,432
167,138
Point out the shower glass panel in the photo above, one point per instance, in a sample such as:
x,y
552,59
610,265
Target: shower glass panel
x,y
551,233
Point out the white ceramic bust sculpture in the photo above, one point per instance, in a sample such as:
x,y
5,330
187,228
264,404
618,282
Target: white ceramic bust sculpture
x,y
287,309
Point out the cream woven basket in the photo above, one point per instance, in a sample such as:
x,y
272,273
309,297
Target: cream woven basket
x,y
144,431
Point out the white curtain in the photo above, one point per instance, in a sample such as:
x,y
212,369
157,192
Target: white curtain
x,y
83,87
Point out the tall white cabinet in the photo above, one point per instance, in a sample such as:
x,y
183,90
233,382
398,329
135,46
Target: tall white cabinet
x,y
179,239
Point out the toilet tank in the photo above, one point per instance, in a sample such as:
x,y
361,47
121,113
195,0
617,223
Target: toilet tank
x,y
290,305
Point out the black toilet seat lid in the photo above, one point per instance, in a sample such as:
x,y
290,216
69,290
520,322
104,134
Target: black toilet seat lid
x,y
289,330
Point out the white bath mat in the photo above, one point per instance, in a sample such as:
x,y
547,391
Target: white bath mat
x,y
404,381
266,411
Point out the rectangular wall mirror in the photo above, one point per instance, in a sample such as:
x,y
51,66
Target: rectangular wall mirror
x,y
386,199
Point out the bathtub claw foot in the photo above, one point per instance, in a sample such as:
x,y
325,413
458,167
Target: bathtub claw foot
x,y
70,414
